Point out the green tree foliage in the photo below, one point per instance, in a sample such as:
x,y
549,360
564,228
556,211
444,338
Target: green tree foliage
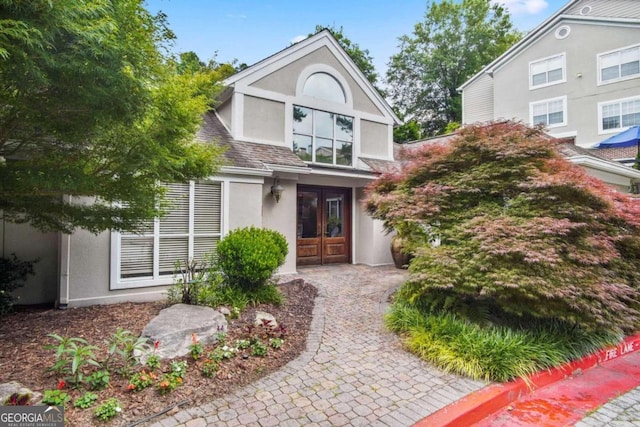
x,y
361,57
498,219
91,107
409,131
190,63
455,40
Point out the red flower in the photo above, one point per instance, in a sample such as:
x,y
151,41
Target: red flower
x,y
131,387
61,384
156,345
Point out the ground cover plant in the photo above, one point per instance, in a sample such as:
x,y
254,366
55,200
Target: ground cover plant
x,y
216,372
239,278
520,257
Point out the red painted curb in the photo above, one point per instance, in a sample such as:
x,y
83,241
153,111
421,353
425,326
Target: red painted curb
x,y
479,405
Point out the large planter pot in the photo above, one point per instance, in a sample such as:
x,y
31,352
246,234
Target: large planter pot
x,y
400,258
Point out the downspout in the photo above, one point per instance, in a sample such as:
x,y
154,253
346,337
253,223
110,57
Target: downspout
x,y
64,263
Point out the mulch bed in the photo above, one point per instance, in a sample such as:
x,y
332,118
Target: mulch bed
x,y
24,333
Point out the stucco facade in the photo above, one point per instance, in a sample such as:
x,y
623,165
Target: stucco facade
x,y
309,92
578,37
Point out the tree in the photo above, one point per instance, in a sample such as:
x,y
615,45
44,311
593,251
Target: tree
x,y
456,39
409,131
91,108
189,62
361,57
498,219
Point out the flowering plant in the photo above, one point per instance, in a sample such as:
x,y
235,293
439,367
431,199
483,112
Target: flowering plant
x,y
141,380
169,382
195,349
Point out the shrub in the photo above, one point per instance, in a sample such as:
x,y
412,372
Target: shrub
x,y
248,257
190,279
497,217
492,353
13,274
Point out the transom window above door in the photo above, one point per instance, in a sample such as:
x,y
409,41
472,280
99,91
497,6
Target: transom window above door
x,y
322,137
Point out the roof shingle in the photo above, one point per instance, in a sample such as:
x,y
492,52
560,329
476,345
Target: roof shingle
x,y
245,154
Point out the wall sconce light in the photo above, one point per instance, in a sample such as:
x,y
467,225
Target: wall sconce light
x,y
276,189
579,75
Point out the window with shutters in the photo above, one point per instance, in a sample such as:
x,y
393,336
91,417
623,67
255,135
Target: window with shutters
x,y
191,229
547,71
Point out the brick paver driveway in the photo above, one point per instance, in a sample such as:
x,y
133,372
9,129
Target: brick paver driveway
x,y
353,372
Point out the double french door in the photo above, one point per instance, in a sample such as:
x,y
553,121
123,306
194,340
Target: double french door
x,y
324,225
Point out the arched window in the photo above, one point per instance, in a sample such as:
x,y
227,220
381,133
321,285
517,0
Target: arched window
x,y
324,86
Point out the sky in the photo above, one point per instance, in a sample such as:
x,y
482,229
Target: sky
x,y
251,30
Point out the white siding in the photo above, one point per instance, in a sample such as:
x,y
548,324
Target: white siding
x,y
608,8
477,100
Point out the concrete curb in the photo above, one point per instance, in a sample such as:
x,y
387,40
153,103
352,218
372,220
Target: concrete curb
x,y
477,406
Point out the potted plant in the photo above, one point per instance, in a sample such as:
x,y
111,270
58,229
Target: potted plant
x,y
399,253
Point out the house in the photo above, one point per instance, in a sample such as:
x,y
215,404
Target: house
x,y
577,73
304,133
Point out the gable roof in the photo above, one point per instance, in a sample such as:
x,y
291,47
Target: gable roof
x,y
308,45
570,11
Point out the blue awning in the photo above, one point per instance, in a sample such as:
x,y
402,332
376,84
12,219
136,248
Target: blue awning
x,y
626,138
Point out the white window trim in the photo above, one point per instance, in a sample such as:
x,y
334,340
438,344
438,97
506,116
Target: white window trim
x,y
564,71
619,79
602,131
116,283
565,112
323,68
335,141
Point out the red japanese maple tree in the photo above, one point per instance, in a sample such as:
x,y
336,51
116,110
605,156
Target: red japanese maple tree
x,y
497,216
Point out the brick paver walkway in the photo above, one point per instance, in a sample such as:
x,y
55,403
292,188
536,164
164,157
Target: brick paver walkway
x,y
623,411
353,372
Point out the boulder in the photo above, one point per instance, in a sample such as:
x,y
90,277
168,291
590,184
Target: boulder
x,y
173,328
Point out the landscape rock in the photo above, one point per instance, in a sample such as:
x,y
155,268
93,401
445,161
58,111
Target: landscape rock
x,y
173,328
8,389
225,311
264,318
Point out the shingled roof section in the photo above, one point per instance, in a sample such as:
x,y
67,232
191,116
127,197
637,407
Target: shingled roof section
x,y
381,166
245,154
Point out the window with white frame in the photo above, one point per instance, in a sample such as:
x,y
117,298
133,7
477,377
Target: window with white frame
x,y
619,114
322,137
547,71
550,112
191,229
619,65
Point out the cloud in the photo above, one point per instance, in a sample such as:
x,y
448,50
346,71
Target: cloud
x,y
523,7
297,39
